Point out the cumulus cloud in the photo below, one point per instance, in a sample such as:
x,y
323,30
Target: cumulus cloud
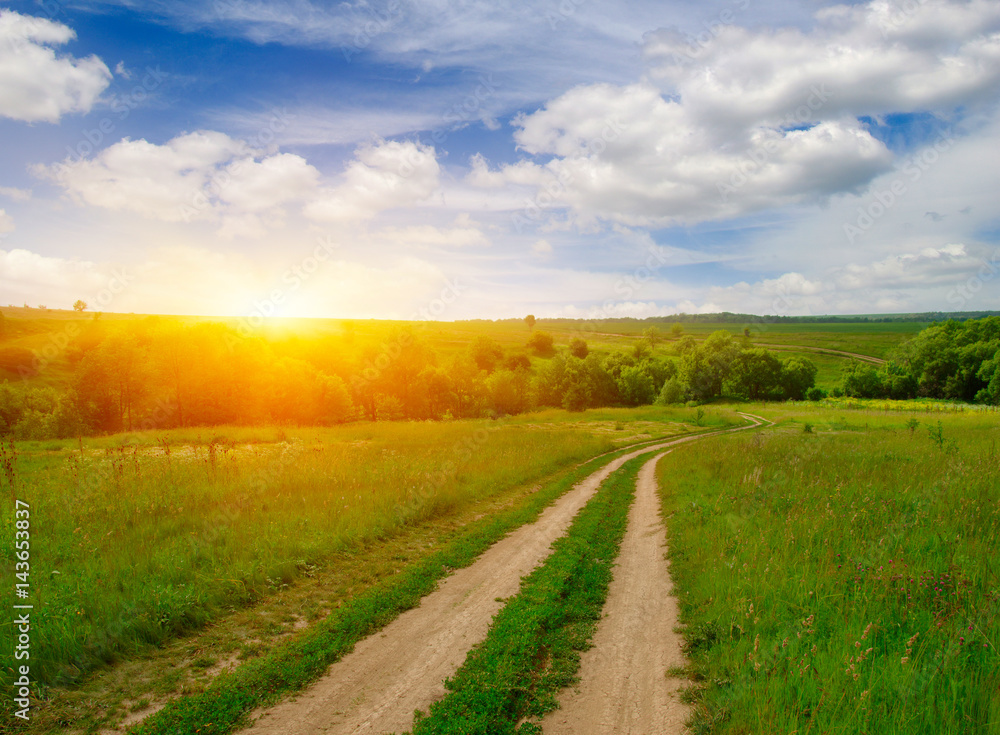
x,y
6,222
874,58
629,155
917,281
205,175
35,83
384,175
751,119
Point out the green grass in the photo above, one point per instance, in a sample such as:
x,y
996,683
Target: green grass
x,y
132,546
843,580
224,705
532,648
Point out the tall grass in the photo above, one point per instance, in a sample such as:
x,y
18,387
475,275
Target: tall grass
x,y
843,580
135,543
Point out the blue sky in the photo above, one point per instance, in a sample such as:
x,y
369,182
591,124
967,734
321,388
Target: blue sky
x,y
573,158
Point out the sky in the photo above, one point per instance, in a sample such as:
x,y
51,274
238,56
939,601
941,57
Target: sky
x,y
446,159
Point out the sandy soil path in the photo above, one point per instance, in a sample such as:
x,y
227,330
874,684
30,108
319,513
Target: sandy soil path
x,y
623,687
376,688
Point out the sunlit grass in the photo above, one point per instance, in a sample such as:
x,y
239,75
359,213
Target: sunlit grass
x,y
841,579
137,541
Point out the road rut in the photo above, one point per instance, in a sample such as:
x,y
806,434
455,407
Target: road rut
x,y
376,688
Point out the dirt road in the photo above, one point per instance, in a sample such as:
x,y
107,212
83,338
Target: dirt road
x,y
623,686
376,688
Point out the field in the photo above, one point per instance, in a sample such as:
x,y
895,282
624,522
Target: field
x,y
150,536
834,561
839,572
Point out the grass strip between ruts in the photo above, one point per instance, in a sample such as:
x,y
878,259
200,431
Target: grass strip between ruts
x,y
533,647
225,704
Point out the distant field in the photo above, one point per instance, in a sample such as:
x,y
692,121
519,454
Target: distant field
x,y
32,332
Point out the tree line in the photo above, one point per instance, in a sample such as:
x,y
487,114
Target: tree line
x,y
157,374
958,361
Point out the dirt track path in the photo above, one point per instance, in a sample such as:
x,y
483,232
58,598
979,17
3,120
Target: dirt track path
x,y
623,685
376,688
825,351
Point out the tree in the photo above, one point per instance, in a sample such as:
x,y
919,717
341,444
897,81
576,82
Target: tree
x,y
798,375
677,330
636,387
517,361
508,391
79,305
530,321
578,348
706,367
541,343
672,392
757,375
486,352
652,335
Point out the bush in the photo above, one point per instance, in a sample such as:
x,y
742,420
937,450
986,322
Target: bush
x,y
542,343
815,394
672,392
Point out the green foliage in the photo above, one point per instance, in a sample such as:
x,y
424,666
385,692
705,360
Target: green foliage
x,y
486,352
671,393
578,348
541,343
952,360
797,377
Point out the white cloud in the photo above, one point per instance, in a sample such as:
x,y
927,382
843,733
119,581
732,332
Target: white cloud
x,y
628,155
542,248
6,222
429,236
874,58
201,175
384,175
925,280
12,192
751,120
35,84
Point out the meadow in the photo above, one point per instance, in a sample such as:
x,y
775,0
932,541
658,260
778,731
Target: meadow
x,y
140,539
838,573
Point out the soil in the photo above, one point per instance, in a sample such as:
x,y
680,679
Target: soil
x,y
377,687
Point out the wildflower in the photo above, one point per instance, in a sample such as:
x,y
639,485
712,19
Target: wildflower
x,y
903,660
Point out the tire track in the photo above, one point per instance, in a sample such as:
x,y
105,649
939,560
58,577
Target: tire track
x,y
623,686
376,688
